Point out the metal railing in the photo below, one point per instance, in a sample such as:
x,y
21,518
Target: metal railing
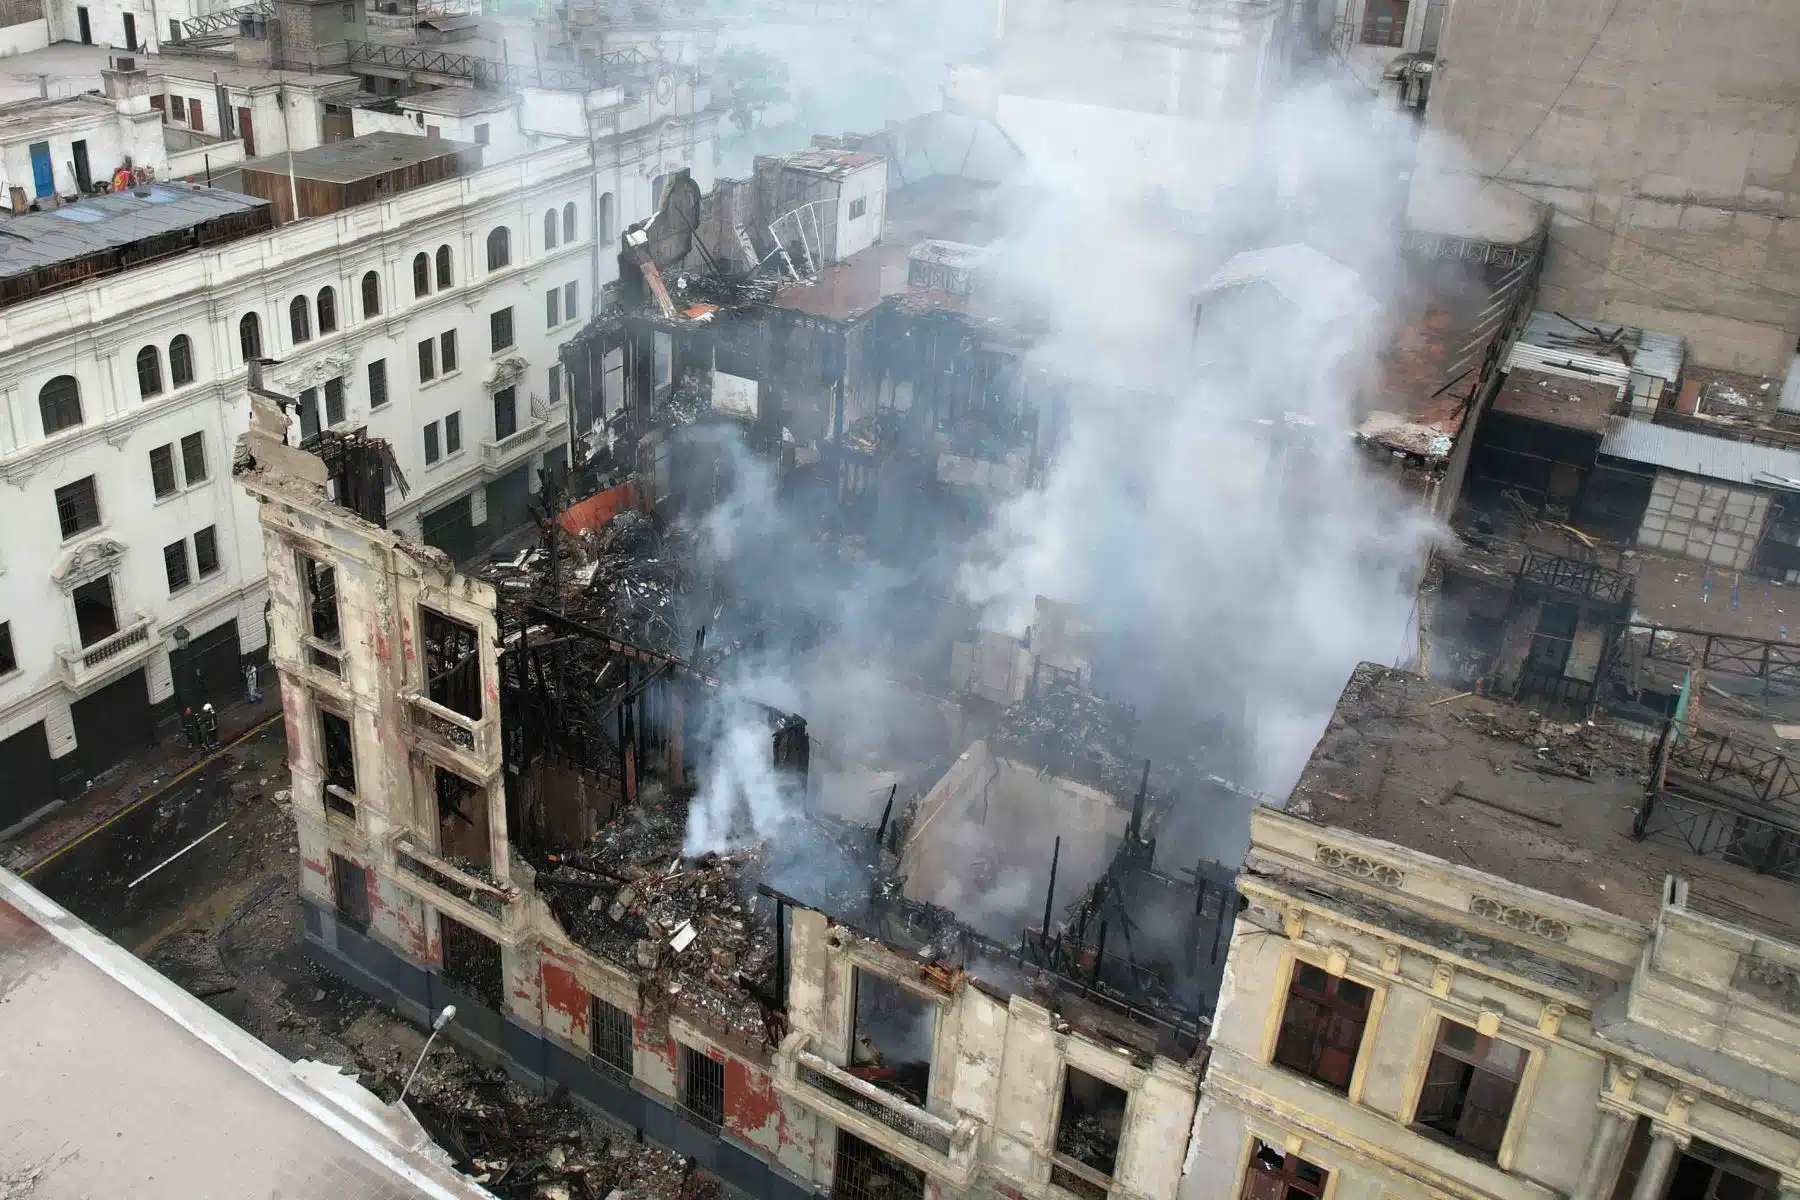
x,y
905,1119
1728,654
1757,773
227,21
81,662
1715,831
446,878
1589,581
485,72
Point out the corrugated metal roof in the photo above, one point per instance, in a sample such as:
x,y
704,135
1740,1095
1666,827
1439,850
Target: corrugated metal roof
x,y
1544,344
1700,454
74,231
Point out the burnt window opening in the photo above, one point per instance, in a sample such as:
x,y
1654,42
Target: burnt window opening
x,y
318,584
1275,1174
452,664
1702,1172
702,1086
472,961
609,1035
340,755
1322,1026
1092,1121
96,618
462,818
350,893
1469,1088
891,1038
866,1172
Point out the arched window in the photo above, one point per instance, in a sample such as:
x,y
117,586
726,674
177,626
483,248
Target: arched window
x,y
181,361
327,310
605,232
443,267
499,248
59,404
550,229
300,320
569,221
421,274
149,364
371,289
250,336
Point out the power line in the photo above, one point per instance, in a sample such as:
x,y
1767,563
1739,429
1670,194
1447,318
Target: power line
x,y
1564,90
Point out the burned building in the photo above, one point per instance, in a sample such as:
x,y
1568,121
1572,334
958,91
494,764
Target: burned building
x,y
503,789
1490,953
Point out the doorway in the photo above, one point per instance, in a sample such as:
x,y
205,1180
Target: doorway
x,y
113,723
130,32
86,30
95,617
248,131
43,177
84,178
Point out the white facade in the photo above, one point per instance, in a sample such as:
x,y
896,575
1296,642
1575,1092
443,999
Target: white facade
x,y
87,128
96,334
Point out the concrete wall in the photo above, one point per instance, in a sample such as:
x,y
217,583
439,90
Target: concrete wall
x,y
858,233
1668,141
1704,519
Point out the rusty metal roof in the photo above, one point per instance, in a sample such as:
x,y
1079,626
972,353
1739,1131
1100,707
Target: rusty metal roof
x,y
44,239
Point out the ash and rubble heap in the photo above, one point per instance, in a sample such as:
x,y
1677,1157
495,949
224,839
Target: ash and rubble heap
x,y
1072,732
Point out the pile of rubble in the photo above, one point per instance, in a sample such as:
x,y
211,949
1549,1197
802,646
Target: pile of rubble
x,y
1073,733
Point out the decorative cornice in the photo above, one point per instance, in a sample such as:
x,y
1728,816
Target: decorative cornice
x,y
89,560
1346,862
1521,919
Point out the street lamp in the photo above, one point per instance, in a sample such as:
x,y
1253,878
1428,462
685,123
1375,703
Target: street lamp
x,y
437,1026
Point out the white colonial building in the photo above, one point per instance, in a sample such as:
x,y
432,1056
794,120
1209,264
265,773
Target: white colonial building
x,y
432,315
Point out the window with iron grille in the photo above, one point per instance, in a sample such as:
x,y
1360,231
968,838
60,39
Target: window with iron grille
x,y
175,565
181,360
206,551
378,383
702,1085
59,405
1469,1089
447,350
1384,22
432,454
327,310
452,663
162,471
571,301
553,389
865,1172
506,413
500,330
444,278
340,755
250,336
452,432
552,308
9,661
77,507
350,892
149,372
609,1034
472,960
1274,1174
422,274
300,320
427,360
334,401
1322,1026
193,458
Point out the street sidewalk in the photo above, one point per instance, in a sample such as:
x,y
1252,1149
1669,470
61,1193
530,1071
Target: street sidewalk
x,y
133,783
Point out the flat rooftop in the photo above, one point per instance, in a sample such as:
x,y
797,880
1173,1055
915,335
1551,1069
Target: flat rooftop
x,y
458,101
943,208
100,223
30,116
837,164
136,1088
203,71
362,157
1496,787
1582,405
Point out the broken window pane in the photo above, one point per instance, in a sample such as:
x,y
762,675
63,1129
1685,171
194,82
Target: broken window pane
x,y
340,758
472,960
892,1037
1093,1117
1322,1026
319,583
1275,1174
1469,1088
702,1086
452,664
462,819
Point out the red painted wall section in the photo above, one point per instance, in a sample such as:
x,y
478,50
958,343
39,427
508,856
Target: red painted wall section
x,y
752,1109
567,1000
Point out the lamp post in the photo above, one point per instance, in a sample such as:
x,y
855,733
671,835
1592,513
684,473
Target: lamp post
x,y
443,1018
180,636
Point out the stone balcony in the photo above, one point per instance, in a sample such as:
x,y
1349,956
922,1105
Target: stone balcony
x,y
85,666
